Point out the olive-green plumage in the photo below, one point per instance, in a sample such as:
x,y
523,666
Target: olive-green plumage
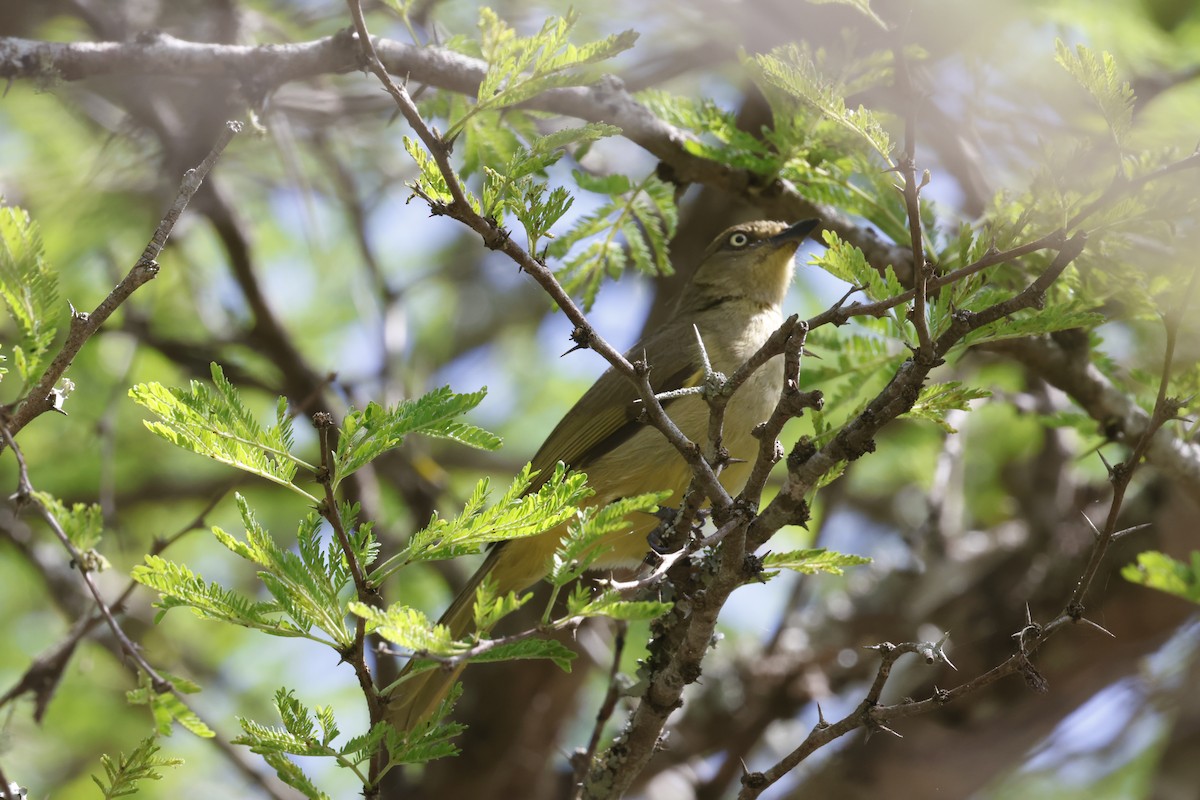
x,y
734,299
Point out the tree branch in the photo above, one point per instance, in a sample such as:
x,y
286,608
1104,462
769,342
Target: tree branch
x,y
263,68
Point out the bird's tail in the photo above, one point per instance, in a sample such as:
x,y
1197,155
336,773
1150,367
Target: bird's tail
x,y
416,697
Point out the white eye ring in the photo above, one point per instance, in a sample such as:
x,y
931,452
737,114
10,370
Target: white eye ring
x,y
739,239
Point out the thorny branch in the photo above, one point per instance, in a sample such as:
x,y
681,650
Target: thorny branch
x,y
496,238
682,640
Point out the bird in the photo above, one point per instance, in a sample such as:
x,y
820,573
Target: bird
x,y
732,304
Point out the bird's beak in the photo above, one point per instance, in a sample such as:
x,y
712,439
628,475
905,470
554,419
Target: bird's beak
x,y
796,233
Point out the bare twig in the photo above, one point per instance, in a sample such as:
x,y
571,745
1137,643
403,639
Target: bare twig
x,y
1165,409
582,760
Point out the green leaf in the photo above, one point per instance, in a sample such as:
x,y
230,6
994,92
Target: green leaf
x,y
304,733
584,542
520,68
307,585
180,587
166,709
83,523
644,217
1159,571
1055,317
290,773
518,514
123,775
409,628
794,71
215,422
299,735
430,182
368,433
426,741
29,289
1098,75
934,401
525,649
847,262
490,607
717,134
813,560
519,188
609,604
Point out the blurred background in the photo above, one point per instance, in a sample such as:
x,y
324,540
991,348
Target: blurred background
x,y
305,271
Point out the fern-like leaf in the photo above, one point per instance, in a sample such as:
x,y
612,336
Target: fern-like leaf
x,y
1099,76
813,560
516,515
122,775
29,289
641,215
214,421
374,430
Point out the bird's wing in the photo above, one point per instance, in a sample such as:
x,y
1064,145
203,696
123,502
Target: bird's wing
x,y
607,414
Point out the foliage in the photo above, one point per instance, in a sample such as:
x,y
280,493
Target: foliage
x,y
216,423
1160,571
124,774
378,505
308,732
813,561
30,291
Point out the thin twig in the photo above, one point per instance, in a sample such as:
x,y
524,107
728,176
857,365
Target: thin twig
x,y
1165,409
582,761
912,202
26,492
40,398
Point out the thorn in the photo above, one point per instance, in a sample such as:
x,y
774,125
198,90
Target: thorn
x,y
821,721
940,650
703,352
1134,529
1097,626
1107,466
886,729
1092,525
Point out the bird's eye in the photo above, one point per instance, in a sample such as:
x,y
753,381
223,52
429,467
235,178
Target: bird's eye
x,y
738,239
